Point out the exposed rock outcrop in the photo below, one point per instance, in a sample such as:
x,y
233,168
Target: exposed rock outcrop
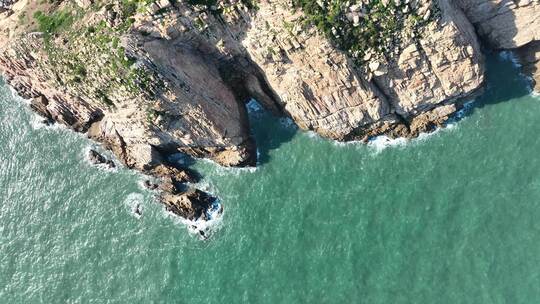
x,y
96,158
191,204
147,101
509,25
529,56
323,90
504,24
151,80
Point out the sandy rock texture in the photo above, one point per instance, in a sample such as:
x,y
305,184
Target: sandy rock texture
x,y
323,90
509,25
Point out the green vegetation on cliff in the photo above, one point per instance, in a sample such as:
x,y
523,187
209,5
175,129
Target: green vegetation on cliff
x,y
50,24
364,27
83,52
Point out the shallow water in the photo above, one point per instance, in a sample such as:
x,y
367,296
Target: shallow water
x,y
449,218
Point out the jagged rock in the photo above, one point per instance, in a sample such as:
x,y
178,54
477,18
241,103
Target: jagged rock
x,y
529,56
150,185
510,25
504,24
323,90
318,85
98,159
444,65
191,205
182,175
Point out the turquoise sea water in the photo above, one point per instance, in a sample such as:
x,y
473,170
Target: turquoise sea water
x,y
451,218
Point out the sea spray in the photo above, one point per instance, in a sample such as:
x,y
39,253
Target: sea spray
x,y
134,203
203,227
85,155
221,170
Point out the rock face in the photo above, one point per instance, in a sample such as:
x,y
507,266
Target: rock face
x,y
191,204
98,159
509,25
323,90
529,56
168,77
318,85
504,24
151,99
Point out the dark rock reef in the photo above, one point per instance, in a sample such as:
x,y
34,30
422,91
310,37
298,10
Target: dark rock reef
x,y
97,159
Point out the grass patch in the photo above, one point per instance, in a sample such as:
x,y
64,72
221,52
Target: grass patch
x,y
51,24
378,29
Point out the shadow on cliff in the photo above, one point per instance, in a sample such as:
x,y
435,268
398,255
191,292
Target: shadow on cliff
x,y
270,131
267,121
504,81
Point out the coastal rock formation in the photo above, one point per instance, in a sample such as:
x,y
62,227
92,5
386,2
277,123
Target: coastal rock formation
x,y
509,25
98,159
504,24
529,56
191,204
149,80
318,85
323,90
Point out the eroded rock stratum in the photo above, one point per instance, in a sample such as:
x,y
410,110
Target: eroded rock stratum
x,y
150,79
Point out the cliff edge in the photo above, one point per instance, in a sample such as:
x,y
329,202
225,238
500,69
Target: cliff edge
x,y
151,79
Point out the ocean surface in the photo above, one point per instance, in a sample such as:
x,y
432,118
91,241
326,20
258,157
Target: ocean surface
x,y
452,217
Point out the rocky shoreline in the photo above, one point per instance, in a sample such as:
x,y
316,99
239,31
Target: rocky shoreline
x,y
150,80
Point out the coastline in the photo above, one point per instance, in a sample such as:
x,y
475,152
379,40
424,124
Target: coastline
x,y
180,86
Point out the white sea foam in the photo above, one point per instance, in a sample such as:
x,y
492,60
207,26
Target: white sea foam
x,y
220,170
144,177
380,143
206,186
204,228
200,227
16,95
104,167
312,134
467,106
36,122
348,143
133,202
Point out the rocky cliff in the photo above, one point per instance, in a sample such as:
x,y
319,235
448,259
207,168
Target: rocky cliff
x,y
509,25
151,79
